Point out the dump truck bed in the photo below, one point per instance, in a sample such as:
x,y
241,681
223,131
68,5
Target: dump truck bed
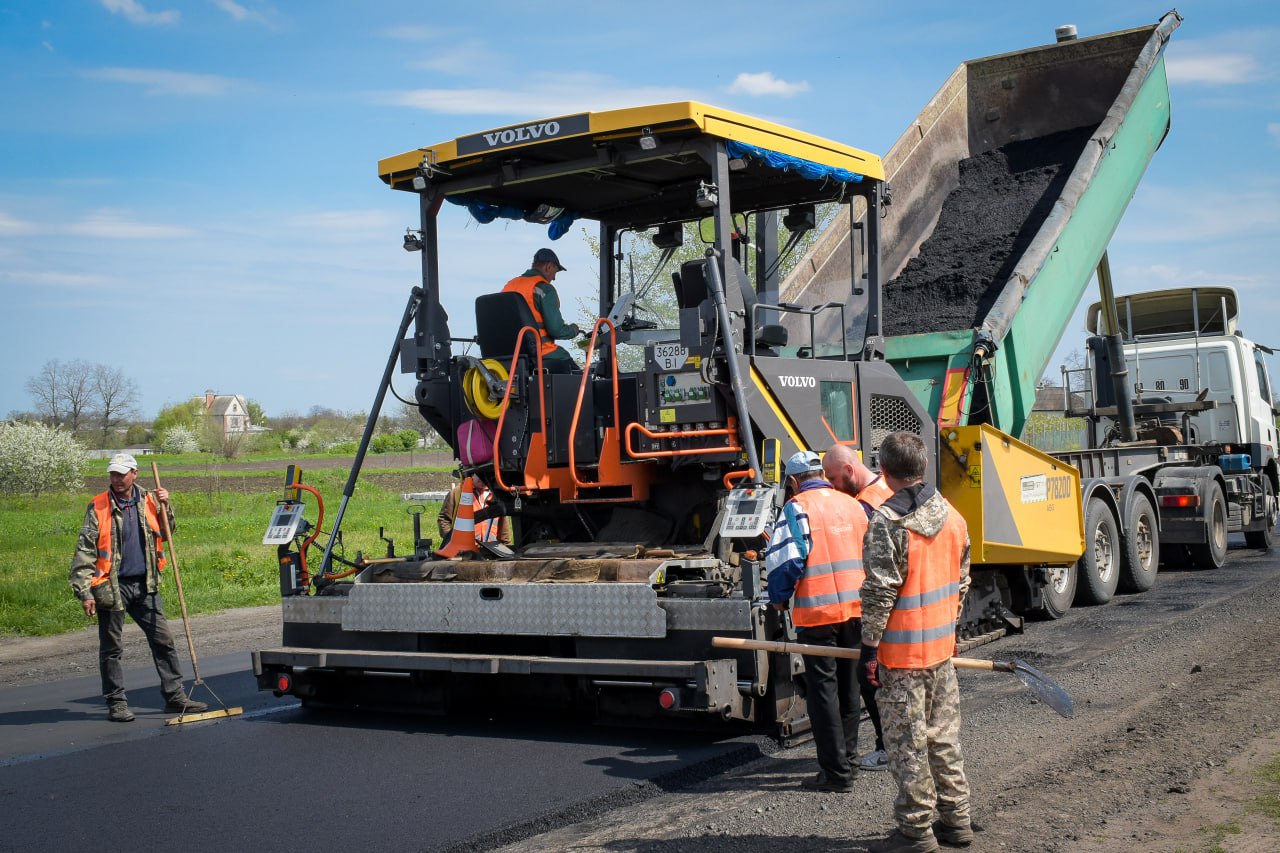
x,y
1006,189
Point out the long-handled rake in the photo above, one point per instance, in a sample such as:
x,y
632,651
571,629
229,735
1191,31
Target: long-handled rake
x,y
184,717
1049,691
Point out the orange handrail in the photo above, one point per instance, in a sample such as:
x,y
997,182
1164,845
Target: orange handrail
x,y
582,390
506,395
729,431
731,477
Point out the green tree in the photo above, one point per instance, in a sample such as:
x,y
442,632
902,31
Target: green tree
x,y
35,458
257,417
189,414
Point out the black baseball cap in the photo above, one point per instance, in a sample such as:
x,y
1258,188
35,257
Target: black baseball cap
x,y
546,256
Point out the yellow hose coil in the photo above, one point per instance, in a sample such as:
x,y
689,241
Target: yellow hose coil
x,y
476,391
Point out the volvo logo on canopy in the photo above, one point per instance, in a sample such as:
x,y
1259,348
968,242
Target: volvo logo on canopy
x,y
521,134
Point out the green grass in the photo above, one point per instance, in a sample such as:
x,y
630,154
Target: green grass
x,y
1265,804
218,544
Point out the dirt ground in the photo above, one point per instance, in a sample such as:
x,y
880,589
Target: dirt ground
x,y
1177,696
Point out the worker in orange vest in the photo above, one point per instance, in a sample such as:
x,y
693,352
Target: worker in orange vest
x,y
116,572
537,289
815,563
844,469
917,574
493,530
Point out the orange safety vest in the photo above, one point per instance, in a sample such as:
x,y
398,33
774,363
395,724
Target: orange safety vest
x,y
921,631
830,590
876,493
102,508
490,530
524,286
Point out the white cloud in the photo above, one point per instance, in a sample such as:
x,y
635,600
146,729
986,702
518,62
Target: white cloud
x,y
161,82
51,279
542,95
345,224
1166,215
1273,130
1222,69
764,83
114,225
135,12
240,13
459,58
411,32
10,226
47,46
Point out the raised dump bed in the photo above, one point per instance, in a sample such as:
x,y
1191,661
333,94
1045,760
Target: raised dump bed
x,y
1006,190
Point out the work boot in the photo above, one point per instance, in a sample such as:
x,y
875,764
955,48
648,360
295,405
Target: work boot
x,y
899,843
118,712
184,705
953,836
823,782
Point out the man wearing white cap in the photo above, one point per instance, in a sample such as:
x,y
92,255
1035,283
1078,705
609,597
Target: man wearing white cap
x,y
815,562
116,571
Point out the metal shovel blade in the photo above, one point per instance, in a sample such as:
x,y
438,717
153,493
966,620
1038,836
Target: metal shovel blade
x,y
1049,691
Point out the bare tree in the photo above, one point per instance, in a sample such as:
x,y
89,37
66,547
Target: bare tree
x,y
78,397
116,395
46,389
63,392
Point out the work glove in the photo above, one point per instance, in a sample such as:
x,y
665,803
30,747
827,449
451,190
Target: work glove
x,y
868,667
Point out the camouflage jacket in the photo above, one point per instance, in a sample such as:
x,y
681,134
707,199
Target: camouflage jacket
x,y
884,553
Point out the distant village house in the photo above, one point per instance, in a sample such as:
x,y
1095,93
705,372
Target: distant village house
x,y
229,412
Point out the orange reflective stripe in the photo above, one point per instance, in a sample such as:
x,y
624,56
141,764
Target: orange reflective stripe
x,y
921,630
524,286
153,522
876,493
830,590
103,509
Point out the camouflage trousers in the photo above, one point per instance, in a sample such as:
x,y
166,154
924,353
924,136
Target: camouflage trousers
x,y
920,709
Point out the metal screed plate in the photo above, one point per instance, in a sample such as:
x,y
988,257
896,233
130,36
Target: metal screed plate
x,y
560,610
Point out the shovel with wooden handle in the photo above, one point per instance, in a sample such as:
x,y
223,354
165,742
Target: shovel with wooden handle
x,y
184,717
1048,691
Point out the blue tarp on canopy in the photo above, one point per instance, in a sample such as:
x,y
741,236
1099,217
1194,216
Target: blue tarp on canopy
x,y
785,162
484,213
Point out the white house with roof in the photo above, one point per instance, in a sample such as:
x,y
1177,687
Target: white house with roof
x,y
229,412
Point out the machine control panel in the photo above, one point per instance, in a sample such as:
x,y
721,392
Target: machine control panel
x,y
284,524
675,389
747,512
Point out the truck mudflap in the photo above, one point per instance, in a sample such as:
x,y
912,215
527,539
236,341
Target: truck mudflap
x,y
679,686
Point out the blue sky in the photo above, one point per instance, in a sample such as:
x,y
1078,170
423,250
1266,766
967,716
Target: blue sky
x,y
188,188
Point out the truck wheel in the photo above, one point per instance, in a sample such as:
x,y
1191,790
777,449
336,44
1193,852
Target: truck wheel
x,y
1059,592
1212,553
1100,564
1262,538
1141,547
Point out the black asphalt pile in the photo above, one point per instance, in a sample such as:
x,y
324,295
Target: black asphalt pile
x,y
987,222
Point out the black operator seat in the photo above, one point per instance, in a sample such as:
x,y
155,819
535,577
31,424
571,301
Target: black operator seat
x,y
499,319
691,291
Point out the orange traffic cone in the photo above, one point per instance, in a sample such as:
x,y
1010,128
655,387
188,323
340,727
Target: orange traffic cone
x,y
463,537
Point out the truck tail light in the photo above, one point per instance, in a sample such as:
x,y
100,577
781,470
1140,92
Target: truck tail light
x,y
667,699
1179,501
284,682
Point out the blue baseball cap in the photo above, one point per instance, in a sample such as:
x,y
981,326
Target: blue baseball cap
x,y
802,463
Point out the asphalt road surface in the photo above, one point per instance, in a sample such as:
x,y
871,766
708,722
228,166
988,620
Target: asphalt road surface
x,y
1172,687
284,778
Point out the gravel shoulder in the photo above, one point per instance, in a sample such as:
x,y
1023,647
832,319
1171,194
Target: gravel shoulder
x,y
1177,698
33,660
